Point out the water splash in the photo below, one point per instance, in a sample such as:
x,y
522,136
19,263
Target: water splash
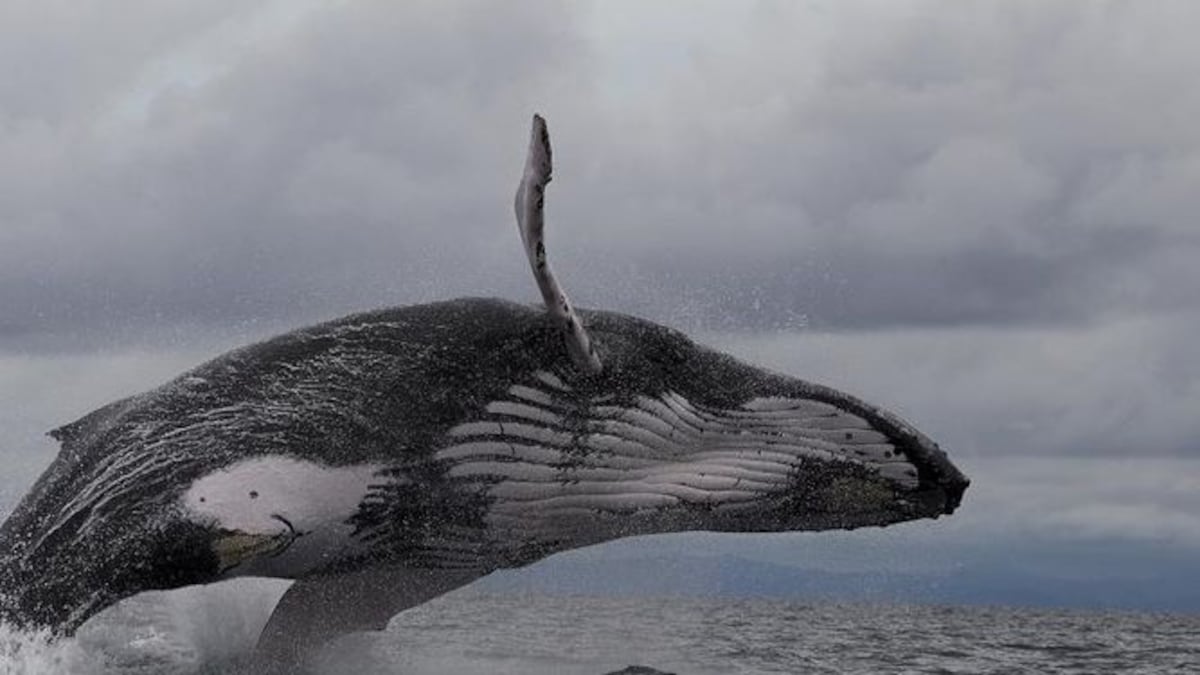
x,y
33,653
181,632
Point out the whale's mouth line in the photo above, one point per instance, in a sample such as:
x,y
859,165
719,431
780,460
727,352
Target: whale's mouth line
x,y
292,536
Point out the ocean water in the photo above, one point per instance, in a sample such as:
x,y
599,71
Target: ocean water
x,y
211,631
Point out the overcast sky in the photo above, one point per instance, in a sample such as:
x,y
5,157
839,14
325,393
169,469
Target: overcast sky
x,y
979,214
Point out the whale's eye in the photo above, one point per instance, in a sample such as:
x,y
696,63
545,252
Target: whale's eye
x,y
203,499
254,494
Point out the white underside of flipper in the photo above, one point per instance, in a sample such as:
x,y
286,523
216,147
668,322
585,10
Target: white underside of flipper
x,y
305,504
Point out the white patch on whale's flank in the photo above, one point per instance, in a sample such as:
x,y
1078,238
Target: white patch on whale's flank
x,y
774,403
651,452
551,379
530,394
256,496
527,411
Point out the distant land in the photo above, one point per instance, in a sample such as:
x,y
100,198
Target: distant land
x,y
1169,590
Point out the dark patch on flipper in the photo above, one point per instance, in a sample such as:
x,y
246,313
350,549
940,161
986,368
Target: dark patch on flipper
x,y
317,609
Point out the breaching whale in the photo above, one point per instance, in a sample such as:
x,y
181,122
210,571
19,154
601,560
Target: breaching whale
x,y
388,457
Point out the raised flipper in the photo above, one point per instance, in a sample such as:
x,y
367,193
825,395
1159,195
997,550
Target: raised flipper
x,y
317,609
530,208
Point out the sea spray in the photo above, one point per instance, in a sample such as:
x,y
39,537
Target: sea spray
x,y
180,632
25,652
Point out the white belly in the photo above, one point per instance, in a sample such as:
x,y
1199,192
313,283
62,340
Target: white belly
x,y
266,495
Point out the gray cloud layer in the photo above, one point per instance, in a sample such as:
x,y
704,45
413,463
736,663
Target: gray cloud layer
x,y
989,204
725,166
985,210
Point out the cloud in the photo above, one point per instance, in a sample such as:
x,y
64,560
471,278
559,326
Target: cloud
x,y
928,164
1120,388
980,215
361,140
772,165
66,62
987,207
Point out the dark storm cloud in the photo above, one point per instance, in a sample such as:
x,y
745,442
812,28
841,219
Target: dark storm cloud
x,y
1125,389
63,61
944,163
987,211
345,162
785,165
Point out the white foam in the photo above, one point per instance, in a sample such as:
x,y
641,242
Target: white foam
x,y
177,632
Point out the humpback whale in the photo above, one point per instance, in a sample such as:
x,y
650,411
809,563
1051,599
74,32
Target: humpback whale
x,y
385,458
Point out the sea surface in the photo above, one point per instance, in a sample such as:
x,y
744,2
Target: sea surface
x,y
210,631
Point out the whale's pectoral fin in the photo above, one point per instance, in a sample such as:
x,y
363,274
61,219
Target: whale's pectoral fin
x,y
317,609
530,207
